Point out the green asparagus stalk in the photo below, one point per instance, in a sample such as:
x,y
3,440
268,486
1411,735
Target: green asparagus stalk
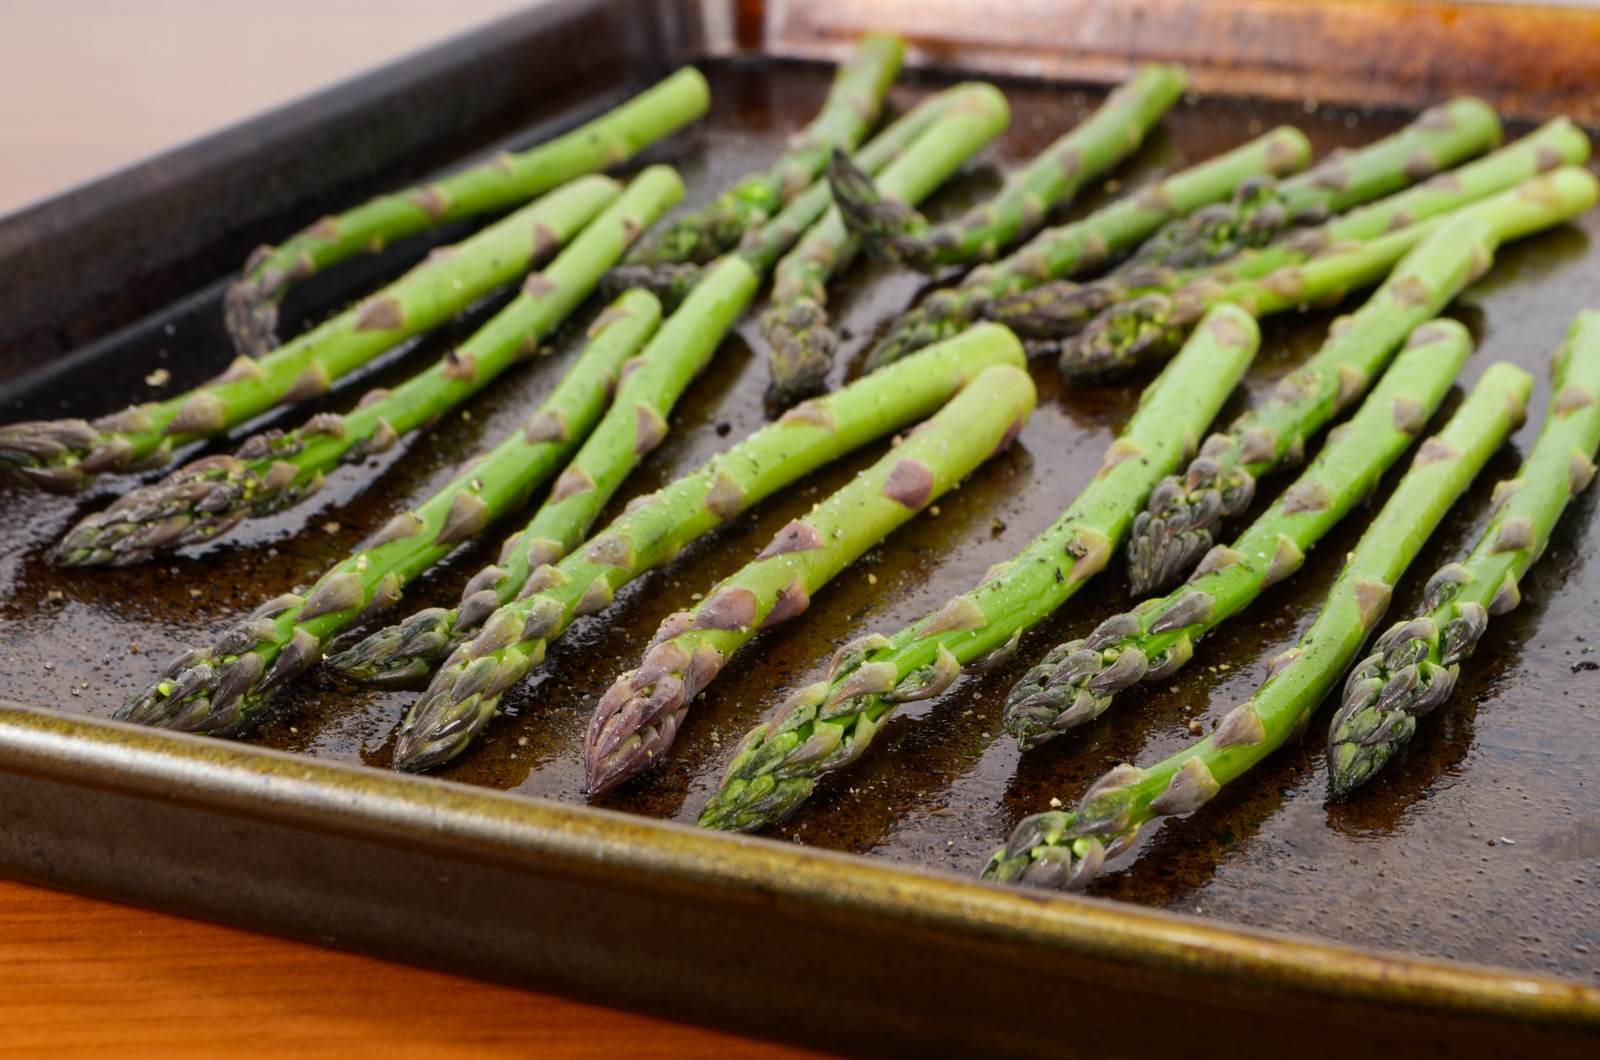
x,y
892,229
850,110
1077,681
410,650
1439,138
223,689
1148,327
1179,524
66,455
1067,250
636,721
464,694
763,246
1067,849
1414,665
802,343
825,726
277,470
1057,310
251,304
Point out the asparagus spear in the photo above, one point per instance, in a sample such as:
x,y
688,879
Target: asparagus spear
x,y
223,689
1414,665
763,246
464,694
1178,525
1146,328
66,455
1439,138
892,229
851,108
1077,681
277,470
1067,849
1069,249
827,725
251,304
1061,309
636,721
802,343
409,650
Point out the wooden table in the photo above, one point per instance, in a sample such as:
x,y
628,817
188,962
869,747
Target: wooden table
x,y
79,976
84,976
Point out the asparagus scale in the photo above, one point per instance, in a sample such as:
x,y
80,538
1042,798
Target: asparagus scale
x,y
825,726
465,692
1262,209
1078,681
1067,849
893,230
1180,522
1147,328
847,114
222,690
1414,665
636,721
796,326
1061,309
251,304
1070,249
277,470
66,455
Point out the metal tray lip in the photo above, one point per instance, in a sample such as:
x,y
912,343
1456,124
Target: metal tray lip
x,y
613,849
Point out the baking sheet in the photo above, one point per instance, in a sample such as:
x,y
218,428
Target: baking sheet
x,y
1483,843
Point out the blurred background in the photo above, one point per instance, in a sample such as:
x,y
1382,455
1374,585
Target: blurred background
x,y
92,85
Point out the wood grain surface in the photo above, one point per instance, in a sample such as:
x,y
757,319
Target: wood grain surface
x,y
83,977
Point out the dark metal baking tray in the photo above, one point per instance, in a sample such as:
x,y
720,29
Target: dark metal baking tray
x,y
797,936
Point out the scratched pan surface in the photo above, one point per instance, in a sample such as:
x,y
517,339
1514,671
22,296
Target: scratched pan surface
x,y
1481,843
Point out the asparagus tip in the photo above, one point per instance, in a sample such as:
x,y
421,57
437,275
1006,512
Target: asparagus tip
x,y
1122,337
193,505
401,655
880,222
632,727
250,312
803,348
670,282
49,453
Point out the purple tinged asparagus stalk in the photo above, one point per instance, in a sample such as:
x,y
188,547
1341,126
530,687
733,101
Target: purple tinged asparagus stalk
x,y
892,229
277,470
224,689
66,455
636,721
1413,666
1080,246
1059,310
1078,681
826,726
505,181
1180,522
796,326
1068,849
847,114
466,691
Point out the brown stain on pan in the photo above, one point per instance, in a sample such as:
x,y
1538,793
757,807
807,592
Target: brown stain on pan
x,y
1421,863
